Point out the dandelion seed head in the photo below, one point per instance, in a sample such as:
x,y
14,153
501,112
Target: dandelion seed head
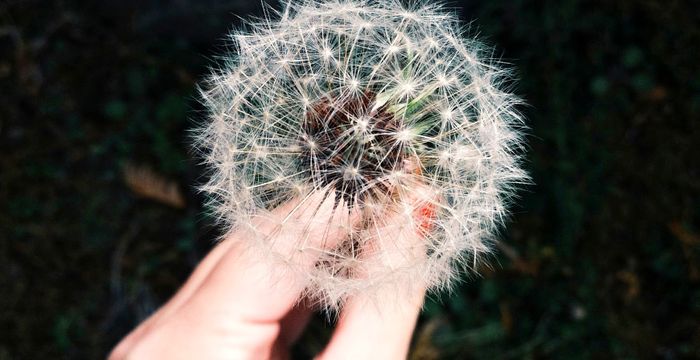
x,y
373,103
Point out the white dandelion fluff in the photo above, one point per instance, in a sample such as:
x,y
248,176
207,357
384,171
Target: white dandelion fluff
x,y
371,104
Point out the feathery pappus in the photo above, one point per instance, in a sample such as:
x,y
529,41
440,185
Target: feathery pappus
x,y
371,104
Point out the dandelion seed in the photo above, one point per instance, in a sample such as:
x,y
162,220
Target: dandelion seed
x,y
446,114
405,135
374,103
327,53
393,49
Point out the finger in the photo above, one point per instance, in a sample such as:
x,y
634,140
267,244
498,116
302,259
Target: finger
x,y
230,282
193,282
238,307
379,324
298,233
367,330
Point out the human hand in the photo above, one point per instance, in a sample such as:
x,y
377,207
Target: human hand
x,y
234,307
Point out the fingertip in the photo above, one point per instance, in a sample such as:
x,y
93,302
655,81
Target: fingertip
x,y
378,323
375,328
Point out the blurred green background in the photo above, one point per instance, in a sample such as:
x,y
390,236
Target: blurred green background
x,y
99,223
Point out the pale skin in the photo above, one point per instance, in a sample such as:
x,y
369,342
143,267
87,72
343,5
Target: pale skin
x,y
233,307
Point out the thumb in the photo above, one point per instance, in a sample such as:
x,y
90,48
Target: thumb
x,y
236,309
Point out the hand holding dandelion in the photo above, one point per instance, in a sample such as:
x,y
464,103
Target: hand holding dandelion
x,y
360,153
368,101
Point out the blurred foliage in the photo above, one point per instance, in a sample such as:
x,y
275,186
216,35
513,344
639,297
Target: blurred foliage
x,y
601,258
